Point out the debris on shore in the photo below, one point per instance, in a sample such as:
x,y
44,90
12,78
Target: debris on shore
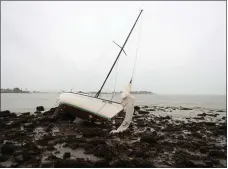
x,y
157,137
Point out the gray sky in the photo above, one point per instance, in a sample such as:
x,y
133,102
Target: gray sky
x,y
53,46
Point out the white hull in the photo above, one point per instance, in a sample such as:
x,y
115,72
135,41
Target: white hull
x,y
96,106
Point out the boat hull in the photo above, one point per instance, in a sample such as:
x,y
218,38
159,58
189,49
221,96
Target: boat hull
x,y
83,106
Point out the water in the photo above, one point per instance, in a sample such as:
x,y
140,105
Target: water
x,y
27,102
22,102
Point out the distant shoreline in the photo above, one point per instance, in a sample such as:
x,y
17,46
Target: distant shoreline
x,y
15,92
60,93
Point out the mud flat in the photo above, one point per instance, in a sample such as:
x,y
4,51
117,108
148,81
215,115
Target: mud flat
x,y
158,137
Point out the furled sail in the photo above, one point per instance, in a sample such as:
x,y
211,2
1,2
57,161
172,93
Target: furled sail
x,y
128,104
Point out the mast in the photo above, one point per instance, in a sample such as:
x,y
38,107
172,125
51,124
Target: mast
x,y
98,93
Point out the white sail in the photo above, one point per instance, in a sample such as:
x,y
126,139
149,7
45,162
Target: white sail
x,y
128,104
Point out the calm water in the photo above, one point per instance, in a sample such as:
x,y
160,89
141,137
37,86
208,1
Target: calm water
x,y
21,102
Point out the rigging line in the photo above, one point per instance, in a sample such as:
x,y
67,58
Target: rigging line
x,y
115,81
98,111
137,48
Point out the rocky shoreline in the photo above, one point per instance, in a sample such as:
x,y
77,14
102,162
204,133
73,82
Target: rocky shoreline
x,y
158,137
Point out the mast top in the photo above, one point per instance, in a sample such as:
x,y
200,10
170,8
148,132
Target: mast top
x,y
119,54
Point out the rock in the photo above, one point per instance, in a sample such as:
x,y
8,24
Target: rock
x,y
121,161
199,118
51,142
165,118
19,158
182,159
4,157
203,149
103,151
17,123
217,153
140,154
37,112
14,165
143,112
102,164
37,158
79,163
213,115
46,163
25,114
40,108
30,144
142,163
50,148
53,109
149,138
141,124
29,129
13,115
8,148
2,123
209,123
74,145
66,155
150,109
196,163
49,112
17,135
137,108
5,113
220,111
223,126
65,145
29,125
185,108
59,140
44,140
31,152
97,141
203,114
49,127
44,119
92,132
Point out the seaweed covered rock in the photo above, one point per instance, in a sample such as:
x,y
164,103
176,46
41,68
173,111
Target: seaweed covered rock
x,y
66,155
137,108
40,108
79,163
5,113
149,137
8,148
185,108
143,112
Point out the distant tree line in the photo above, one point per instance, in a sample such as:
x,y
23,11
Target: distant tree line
x,y
14,90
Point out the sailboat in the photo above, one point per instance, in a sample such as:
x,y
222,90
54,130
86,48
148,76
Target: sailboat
x,y
85,106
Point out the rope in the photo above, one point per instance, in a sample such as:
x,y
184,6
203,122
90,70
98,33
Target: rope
x,y
137,48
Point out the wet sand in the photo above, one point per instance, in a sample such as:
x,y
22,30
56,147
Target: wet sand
x,y
158,137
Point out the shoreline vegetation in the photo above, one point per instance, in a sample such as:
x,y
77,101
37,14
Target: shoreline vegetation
x,y
14,90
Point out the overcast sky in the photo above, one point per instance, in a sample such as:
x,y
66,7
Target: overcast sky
x,y
53,46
